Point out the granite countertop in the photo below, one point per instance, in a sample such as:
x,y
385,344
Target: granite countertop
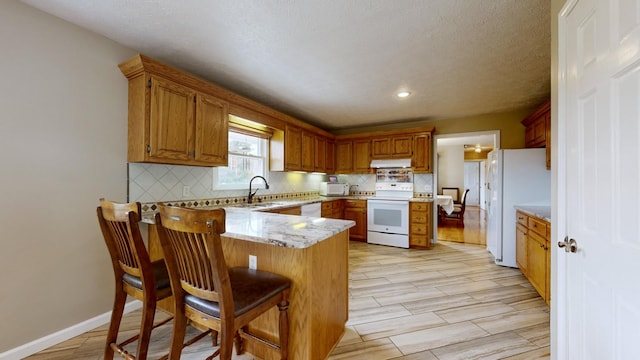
x,y
539,211
277,229
251,222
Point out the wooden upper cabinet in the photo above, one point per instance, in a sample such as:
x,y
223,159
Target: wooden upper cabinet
x,y
301,149
330,157
380,148
391,147
344,156
422,153
362,156
320,154
212,131
293,148
170,122
308,151
538,129
401,146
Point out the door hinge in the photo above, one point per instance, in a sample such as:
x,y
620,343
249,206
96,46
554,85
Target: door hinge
x,y
149,84
148,149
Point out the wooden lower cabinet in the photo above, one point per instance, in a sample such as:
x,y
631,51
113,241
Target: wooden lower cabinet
x,y
420,225
532,252
356,210
332,209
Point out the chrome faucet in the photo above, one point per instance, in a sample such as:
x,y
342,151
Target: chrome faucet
x,y
250,197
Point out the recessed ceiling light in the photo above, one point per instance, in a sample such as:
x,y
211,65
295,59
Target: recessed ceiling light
x,y
403,94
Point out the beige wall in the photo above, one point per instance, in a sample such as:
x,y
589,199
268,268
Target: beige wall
x,y
511,130
450,167
63,133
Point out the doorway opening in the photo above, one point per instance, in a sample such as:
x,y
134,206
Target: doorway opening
x,y
460,162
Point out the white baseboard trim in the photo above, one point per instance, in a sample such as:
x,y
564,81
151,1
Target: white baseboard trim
x,y
64,334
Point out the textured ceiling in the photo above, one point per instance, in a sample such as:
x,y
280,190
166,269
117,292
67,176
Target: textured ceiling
x,y
337,64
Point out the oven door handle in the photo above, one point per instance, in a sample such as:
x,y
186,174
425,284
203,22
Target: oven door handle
x,y
388,202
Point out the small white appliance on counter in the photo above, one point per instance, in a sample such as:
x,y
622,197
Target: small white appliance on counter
x,y
514,177
334,189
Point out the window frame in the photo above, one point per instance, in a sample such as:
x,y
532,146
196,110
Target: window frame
x,y
264,144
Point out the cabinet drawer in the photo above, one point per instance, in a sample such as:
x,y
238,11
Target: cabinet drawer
x,y
419,240
420,206
420,229
355,203
538,238
336,204
327,205
419,217
537,225
522,218
522,228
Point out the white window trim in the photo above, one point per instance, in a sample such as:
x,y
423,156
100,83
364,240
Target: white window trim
x,y
265,169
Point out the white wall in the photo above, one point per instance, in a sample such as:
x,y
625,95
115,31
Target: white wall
x,y
63,134
450,167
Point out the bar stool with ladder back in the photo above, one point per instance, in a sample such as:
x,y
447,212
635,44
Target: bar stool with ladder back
x,y
207,292
135,275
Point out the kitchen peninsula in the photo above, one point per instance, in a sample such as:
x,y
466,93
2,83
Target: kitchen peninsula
x,y
312,252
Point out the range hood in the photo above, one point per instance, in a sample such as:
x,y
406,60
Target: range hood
x,y
391,163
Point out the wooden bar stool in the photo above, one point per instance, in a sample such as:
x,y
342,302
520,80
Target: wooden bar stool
x,y
135,275
208,293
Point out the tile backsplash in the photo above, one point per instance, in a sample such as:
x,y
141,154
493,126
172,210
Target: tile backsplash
x,y
157,182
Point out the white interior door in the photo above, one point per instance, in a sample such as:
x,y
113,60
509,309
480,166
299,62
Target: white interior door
x,y
472,182
483,187
598,290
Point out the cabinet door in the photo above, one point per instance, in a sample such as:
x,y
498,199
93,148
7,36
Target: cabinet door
x,y
358,232
330,157
212,130
308,142
319,154
293,148
401,146
422,153
521,248
344,157
361,156
171,122
537,262
356,210
380,148
536,133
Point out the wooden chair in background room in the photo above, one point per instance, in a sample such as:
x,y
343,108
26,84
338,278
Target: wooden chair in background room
x,y
453,192
208,293
458,211
135,275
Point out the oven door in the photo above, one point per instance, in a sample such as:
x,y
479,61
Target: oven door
x,y
388,216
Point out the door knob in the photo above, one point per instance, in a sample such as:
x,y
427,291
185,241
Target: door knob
x,y
569,245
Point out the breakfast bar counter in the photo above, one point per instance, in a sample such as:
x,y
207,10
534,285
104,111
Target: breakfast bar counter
x,y
312,252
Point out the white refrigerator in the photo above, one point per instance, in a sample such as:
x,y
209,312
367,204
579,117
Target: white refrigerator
x,y
514,177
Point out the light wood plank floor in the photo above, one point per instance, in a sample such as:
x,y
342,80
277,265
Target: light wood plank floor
x,y
450,302
473,232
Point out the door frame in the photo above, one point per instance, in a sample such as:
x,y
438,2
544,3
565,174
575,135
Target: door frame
x,y
434,161
558,330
